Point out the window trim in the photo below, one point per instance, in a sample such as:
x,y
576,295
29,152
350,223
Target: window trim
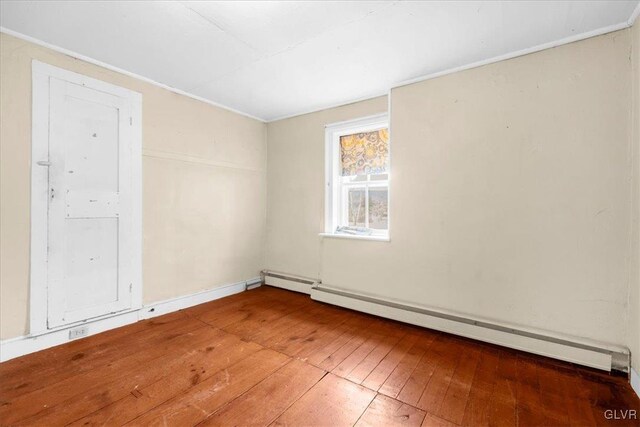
x,y
333,132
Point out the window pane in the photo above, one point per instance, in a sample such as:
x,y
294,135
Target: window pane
x,y
380,177
357,211
378,208
354,178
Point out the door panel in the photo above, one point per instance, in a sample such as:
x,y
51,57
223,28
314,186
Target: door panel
x,y
89,215
91,270
91,157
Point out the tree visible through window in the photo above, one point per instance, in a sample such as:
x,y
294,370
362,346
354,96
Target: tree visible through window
x,y
359,178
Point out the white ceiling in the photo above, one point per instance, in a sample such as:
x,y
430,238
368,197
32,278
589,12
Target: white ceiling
x,y
271,59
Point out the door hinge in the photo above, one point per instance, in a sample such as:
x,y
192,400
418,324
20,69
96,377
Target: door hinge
x,y
130,287
130,121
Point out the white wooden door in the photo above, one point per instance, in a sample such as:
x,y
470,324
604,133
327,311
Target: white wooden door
x,y
90,232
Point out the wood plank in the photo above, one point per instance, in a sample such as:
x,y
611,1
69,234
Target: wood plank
x,y
179,370
325,338
268,334
455,400
333,342
226,314
261,316
380,373
579,411
503,409
385,411
349,363
434,421
357,338
30,404
527,385
206,397
262,293
333,401
303,334
296,326
479,405
266,401
369,363
436,389
551,393
401,374
529,402
230,315
417,381
85,354
575,399
133,395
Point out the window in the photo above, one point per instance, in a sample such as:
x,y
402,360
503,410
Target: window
x,y
357,171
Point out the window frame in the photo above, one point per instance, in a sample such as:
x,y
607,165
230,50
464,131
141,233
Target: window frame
x,y
365,185
334,181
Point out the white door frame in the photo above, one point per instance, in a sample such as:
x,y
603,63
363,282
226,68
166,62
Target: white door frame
x,y
41,75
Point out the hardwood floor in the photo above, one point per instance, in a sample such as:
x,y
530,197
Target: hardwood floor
x,y
273,357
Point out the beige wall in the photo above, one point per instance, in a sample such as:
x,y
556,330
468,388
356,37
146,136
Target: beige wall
x,y
510,193
634,294
296,182
204,187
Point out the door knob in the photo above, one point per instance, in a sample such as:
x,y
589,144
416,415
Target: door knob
x,y
43,163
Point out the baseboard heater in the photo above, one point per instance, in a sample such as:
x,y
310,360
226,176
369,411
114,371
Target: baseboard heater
x,y
288,281
575,350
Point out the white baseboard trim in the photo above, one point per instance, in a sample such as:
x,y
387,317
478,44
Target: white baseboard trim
x,y
20,346
536,342
635,381
179,303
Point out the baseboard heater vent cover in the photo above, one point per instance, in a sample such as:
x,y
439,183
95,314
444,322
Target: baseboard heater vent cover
x,y
288,281
595,355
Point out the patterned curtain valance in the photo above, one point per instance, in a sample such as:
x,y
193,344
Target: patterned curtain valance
x,y
364,153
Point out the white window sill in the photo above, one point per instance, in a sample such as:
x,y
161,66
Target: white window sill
x,y
355,237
